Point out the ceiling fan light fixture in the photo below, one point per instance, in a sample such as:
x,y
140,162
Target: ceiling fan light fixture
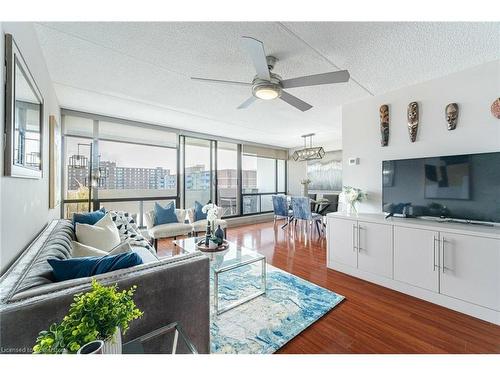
x,y
268,91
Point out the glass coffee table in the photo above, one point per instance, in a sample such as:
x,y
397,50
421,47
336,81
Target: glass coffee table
x,y
233,257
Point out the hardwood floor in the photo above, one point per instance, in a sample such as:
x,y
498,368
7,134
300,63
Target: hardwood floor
x,y
372,319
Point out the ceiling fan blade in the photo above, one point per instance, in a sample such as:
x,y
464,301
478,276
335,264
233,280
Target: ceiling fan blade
x,y
255,49
316,79
296,102
208,80
247,102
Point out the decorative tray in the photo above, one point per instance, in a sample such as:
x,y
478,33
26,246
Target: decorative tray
x,y
201,246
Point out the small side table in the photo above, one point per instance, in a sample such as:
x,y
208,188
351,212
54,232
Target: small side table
x,y
170,339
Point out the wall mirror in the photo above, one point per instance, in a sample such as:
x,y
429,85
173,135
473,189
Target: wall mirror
x,y
23,117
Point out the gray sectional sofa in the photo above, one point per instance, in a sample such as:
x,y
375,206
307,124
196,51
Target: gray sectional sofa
x,y
168,290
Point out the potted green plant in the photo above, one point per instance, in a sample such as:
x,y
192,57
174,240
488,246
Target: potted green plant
x,y
100,314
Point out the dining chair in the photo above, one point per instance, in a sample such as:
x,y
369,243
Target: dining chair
x,y
280,208
313,198
301,207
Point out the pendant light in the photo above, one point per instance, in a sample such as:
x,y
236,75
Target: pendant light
x,y
308,153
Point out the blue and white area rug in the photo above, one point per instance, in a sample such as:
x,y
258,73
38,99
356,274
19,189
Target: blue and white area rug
x,y
266,323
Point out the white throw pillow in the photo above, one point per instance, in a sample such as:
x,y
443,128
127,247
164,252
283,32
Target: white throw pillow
x,y
80,250
146,255
103,235
124,247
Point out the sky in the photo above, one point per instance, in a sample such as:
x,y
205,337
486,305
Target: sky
x,y
138,156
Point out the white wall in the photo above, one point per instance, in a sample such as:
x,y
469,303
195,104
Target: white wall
x,y
24,202
478,131
296,171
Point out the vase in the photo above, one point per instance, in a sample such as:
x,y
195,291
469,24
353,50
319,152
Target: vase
x,y
113,344
93,347
352,208
219,233
212,244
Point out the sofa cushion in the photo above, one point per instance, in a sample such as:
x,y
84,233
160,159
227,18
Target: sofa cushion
x,y
165,215
103,235
121,248
75,268
198,211
170,230
128,229
80,250
88,217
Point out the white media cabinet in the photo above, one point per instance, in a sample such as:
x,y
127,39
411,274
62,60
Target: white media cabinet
x,y
450,264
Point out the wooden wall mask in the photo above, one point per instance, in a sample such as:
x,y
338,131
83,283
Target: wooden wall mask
x,y
451,113
384,125
413,120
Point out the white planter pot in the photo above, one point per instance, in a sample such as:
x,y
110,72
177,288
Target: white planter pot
x,y
113,345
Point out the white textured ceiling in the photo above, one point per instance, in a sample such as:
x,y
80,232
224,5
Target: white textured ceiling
x,y
141,70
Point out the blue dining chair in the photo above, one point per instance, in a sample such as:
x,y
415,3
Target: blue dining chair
x,y
301,207
280,208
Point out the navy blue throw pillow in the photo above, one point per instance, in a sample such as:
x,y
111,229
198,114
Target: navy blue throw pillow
x,y
165,215
75,268
88,217
198,213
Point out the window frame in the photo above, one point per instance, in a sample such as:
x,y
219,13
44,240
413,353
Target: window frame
x,y
180,197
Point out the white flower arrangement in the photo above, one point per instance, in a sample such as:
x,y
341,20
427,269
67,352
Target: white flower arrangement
x,y
211,210
305,181
352,195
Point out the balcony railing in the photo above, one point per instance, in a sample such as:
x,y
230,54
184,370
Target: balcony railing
x,y
254,203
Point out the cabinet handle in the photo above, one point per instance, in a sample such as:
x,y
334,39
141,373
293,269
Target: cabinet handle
x,y
434,252
359,238
443,268
354,237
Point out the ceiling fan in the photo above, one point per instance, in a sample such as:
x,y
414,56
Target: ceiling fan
x,y
267,85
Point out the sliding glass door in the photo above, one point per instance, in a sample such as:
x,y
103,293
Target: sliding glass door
x,y
262,177
228,185
199,180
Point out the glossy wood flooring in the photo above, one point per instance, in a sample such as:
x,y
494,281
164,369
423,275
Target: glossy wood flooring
x,y
372,319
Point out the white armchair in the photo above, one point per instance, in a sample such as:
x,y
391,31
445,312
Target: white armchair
x,y
201,225
167,230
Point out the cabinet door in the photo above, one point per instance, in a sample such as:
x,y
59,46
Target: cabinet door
x,y
341,245
375,248
416,257
471,269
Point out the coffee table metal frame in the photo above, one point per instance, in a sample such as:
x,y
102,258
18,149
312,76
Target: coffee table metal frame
x,y
218,272
256,257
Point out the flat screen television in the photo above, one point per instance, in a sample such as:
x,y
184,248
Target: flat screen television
x,y
463,187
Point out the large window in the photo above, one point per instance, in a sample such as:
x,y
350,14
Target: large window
x,y
123,166
261,178
135,170
128,166
198,171
227,178
76,186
